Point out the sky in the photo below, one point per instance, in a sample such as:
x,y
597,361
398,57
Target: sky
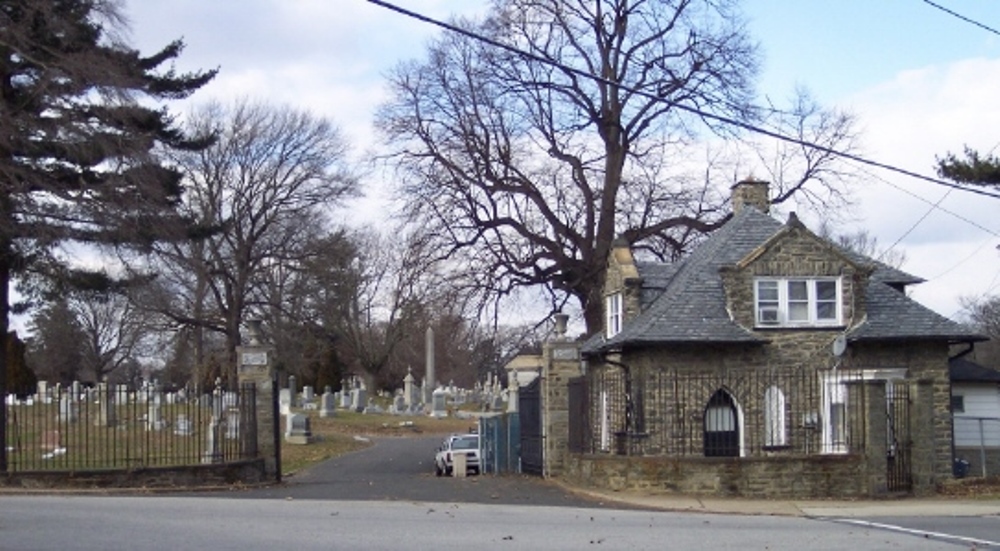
x,y
919,81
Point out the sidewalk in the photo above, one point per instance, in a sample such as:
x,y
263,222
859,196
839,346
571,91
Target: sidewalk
x,y
907,507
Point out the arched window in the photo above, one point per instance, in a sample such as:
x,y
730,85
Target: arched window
x,y
722,431
775,434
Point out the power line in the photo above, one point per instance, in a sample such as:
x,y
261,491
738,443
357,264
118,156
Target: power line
x,y
962,17
937,206
693,110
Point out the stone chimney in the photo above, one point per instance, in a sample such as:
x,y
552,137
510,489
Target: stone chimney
x,y
751,193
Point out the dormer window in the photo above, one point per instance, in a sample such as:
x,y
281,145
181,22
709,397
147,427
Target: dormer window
x,y
613,308
797,302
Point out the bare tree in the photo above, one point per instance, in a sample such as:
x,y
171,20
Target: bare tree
x,y
114,329
267,183
523,170
983,313
393,284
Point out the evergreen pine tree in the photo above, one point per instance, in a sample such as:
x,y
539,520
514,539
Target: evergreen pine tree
x,y
80,128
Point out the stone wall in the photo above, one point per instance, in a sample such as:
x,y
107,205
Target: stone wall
x,y
778,478
247,472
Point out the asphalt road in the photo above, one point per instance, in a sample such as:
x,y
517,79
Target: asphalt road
x,y
402,469
59,523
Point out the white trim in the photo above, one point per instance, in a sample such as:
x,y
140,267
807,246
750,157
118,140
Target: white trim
x,y
778,302
613,311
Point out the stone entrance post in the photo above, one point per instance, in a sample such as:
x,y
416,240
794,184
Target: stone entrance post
x,y
255,364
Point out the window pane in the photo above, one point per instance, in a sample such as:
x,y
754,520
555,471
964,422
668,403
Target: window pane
x,y
798,311
826,290
798,290
767,290
826,311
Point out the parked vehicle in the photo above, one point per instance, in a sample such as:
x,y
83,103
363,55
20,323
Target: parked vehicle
x,y
457,444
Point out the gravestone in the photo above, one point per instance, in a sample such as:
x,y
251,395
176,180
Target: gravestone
x,y
308,394
327,404
297,429
399,404
359,399
154,421
285,401
293,390
438,406
42,392
182,427
67,409
212,453
345,398
105,406
232,423
409,397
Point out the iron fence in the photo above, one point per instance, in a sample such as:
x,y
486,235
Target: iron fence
x,y
115,427
734,412
977,445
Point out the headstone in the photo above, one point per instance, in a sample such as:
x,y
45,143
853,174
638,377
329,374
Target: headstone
x,y
285,401
42,392
154,421
345,399
399,404
75,391
408,397
293,390
105,406
182,427
359,399
67,409
232,423
438,405
327,404
212,453
308,394
297,429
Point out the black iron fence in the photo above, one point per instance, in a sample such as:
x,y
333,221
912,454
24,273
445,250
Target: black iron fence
x,y
115,427
731,412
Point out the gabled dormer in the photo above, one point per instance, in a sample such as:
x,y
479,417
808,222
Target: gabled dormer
x,y
796,280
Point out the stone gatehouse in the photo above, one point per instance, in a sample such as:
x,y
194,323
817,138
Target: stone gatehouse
x,y
770,362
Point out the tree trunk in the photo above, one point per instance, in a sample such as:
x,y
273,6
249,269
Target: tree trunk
x,y
5,268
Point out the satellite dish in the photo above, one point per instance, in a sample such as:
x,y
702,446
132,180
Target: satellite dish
x,y
839,345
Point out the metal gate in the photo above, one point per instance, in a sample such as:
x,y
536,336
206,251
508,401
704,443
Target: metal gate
x,y
899,477
530,410
500,443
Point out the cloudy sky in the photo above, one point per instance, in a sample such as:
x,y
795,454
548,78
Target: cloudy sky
x,y
920,81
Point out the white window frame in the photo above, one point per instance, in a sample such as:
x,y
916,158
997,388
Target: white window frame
x,y
775,297
775,432
613,310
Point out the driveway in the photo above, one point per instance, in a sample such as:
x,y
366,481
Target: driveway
x,y
402,469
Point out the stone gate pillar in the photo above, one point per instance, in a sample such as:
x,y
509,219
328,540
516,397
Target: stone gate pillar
x,y
255,364
560,363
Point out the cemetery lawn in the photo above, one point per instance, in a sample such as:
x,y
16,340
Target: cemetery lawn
x,y
350,431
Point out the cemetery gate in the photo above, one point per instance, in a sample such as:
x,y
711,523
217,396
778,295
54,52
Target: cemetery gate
x,y
530,411
899,476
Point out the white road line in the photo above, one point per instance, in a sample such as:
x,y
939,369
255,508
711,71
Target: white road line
x,y
923,533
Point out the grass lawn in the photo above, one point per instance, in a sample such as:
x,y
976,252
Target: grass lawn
x,y
335,436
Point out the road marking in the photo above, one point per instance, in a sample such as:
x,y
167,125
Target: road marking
x,y
923,533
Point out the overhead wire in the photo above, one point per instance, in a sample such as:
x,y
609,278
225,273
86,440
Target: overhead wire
x,y
693,110
962,17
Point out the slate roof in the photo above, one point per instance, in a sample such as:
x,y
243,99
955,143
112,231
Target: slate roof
x,y
685,302
962,370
